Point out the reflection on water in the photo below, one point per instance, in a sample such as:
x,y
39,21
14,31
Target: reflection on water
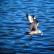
x,y
14,24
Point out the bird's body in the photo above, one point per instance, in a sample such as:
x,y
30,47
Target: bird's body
x,y
35,32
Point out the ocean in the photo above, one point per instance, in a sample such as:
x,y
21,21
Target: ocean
x,y
14,24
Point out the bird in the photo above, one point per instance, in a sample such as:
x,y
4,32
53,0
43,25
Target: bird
x,y
33,28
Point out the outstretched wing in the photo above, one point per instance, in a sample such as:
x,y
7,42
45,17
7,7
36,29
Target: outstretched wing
x,y
30,19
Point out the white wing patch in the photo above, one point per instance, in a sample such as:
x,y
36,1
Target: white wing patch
x,y
30,19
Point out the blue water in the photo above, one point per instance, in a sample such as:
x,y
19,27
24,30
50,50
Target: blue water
x,y
14,24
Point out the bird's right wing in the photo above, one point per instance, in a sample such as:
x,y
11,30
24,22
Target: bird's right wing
x,y
30,19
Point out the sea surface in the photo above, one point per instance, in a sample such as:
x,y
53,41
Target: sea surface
x,y
14,24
